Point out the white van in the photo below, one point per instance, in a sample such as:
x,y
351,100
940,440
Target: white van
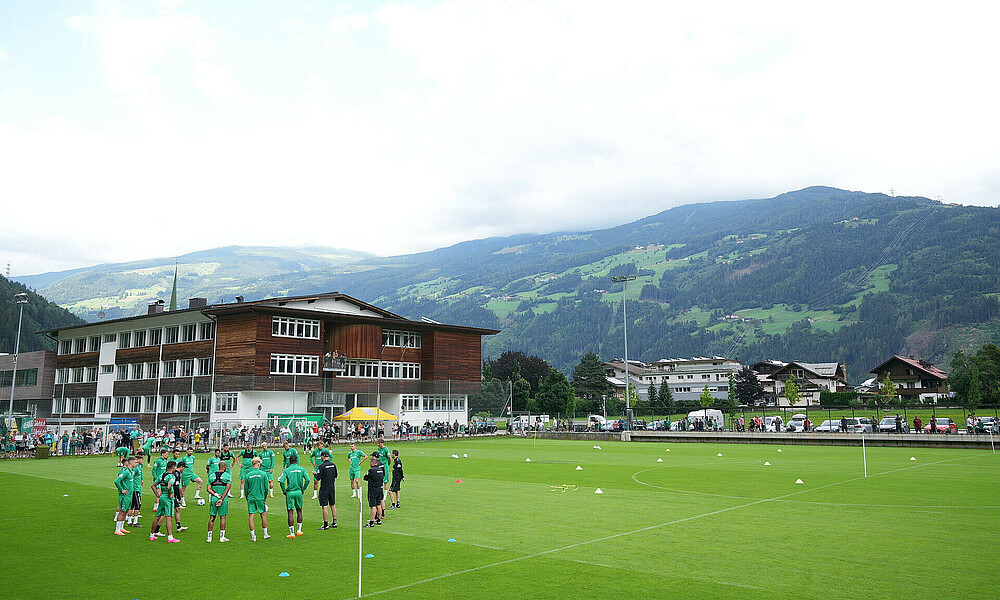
x,y
711,413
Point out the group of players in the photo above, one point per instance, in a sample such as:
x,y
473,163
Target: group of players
x,y
172,475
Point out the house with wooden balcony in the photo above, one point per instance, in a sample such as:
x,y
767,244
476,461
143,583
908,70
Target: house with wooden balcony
x,y
916,380
811,379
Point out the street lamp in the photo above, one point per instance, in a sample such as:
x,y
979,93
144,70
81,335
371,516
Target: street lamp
x,y
624,279
21,299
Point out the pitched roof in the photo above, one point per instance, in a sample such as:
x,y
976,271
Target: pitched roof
x,y
916,363
823,369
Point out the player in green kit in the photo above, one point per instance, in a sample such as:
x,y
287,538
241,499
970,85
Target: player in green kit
x,y
147,448
160,465
122,453
163,489
286,454
124,485
255,482
267,465
316,458
355,457
132,520
385,461
189,476
294,480
229,458
246,464
212,464
219,483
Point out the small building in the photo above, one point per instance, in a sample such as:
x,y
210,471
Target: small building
x,y
811,379
686,377
764,370
916,380
33,385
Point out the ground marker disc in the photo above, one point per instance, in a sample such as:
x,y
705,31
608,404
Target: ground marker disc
x,y
452,540
799,481
458,481
719,454
283,574
527,460
767,464
913,458
598,491
369,556
579,468
454,456
779,449
659,460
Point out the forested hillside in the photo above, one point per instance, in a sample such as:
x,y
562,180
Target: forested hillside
x,y
819,274
39,315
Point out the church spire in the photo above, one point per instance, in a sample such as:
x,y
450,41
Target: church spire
x,y
173,294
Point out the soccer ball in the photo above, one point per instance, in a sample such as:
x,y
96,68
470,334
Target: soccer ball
x,y
201,502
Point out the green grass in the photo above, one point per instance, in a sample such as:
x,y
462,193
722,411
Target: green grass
x,y
695,525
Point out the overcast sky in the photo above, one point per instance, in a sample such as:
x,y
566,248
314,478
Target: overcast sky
x,y
132,130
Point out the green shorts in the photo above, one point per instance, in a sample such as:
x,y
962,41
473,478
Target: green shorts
x,y
270,475
293,500
125,501
165,507
187,477
122,451
256,506
353,473
218,511
242,471
386,478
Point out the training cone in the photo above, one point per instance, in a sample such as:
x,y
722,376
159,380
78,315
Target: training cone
x,y
65,495
527,460
799,481
458,481
779,449
719,454
283,574
668,449
767,464
452,540
579,468
659,460
369,556
913,458
598,491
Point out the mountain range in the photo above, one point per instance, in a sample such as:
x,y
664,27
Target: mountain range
x,y
817,275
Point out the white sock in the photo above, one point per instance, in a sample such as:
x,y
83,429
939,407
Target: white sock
x,y
253,535
265,531
170,537
210,536
291,531
300,527
222,533
118,525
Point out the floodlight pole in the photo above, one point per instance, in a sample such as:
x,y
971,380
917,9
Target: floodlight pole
x,y
20,299
624,279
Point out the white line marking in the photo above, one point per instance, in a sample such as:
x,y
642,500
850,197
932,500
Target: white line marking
x,y
587,562
642,529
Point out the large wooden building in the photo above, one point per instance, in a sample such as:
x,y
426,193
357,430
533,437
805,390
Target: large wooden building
x,y
245,361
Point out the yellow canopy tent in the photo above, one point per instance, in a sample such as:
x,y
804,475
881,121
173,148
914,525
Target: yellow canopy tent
x,y
365,413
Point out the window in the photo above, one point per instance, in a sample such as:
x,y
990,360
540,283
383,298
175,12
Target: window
x,y
188,332
400,339
91,377
94,343
170,368
110,338
184,403
134,403
119,404
125,339
104,403
172,334
298,328
66,347
206,331
80,345
411,402
155,337
137,371
78,375
202,403
139,338
204,366
292,364
150,404
153,370
25,377
62,375
58,405
74,406
187,367
167,404
89,404
706,376
122,372
387,370
105,369
226,402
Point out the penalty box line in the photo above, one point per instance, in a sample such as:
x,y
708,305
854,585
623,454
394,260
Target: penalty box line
x,y
648,528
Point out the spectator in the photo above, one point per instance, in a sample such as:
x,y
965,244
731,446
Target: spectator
x,y
917,425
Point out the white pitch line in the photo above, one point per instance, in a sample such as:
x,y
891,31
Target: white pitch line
x,y
640,530
587,562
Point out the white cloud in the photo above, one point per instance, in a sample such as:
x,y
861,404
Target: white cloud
x,y
403,127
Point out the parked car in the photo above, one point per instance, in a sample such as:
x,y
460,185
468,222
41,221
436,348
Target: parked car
x,y
770,423
638,424
829,426
888,425
797,423
860,425
990,425
944,425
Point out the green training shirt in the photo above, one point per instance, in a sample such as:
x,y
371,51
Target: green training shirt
x,y
246,460
255,484
188,462
315,457
219,484
294,479
212,465
285,455
159,468
266,459
124,480
355,457
137,479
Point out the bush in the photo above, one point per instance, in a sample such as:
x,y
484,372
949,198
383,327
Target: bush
x,y
838,399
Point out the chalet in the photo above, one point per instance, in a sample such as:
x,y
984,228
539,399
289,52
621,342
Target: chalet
x,y
245,361
811,379
764,370
686,377
916,380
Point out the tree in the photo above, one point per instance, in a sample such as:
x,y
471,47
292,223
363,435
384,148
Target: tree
x,y
705,400
887,392
531,368
792,391
749,389
729,404
588,378
666,399
520,390
555,394
652,395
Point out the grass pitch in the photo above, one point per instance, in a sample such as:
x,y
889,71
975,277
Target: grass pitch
x,y
695,525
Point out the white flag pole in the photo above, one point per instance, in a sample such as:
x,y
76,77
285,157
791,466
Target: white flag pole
x,y
361,522
864,453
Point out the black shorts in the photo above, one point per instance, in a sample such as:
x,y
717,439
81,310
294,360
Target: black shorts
x,y
394,486
136,500
375,497
327,498
177,491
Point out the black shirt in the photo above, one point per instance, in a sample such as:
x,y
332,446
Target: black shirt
x,y
375,477
326,474
397,469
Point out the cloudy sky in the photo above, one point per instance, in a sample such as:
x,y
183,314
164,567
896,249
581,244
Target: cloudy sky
x,y
138,129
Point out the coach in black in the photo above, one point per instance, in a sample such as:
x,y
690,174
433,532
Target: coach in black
x,y
375,478
326,475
